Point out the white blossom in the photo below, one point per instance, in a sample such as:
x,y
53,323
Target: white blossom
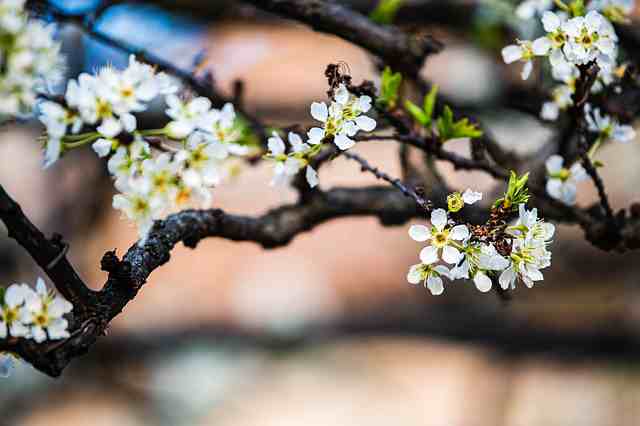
x,y
589,38
288,165
445,241
43,313
342,120
529,253
430,275
561,182
607,127
186,116
10,308
31,59
524,52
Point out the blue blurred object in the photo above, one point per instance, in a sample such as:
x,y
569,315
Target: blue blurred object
x,y
146,27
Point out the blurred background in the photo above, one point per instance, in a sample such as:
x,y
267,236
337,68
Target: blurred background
x,y
325,331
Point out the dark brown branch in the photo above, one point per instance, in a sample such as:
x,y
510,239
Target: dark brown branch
x,y
404,52
407,191
48,253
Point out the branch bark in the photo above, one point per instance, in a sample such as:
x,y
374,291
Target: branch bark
x,y
404,52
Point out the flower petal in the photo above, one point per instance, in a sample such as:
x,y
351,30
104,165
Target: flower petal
x,y
451,255
419,233
439,219
429,255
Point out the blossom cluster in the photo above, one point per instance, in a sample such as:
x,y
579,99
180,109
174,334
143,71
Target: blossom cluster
x,y
341,120
454,252
31,314
30,59
153,178
574,36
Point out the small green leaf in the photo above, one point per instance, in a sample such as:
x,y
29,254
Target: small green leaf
x,y
389,87
449,129
430,102
577,8
385,12
597,164
517,192
416,112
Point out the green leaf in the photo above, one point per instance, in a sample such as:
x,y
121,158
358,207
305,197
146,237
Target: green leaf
x,y
430,102
517,192
445,124
416,112
385,12
389,87
577,8
449,129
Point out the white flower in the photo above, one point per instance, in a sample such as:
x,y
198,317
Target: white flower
x,y
529,228
479,261
526,261
529,8
43,314
443,239
14,299
160,176
186,116
429,275
134,87
524,51
56,118
30,58
289,165
561,182
529,252
471,197
127,160
139,207
220,125
589,37
202,161
342,119
607,127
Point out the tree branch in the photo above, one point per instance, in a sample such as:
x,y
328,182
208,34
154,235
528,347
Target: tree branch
x,y
404,52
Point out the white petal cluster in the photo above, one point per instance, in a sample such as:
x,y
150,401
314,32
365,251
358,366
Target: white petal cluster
x,y
287,165
450,244
105,103
569,42
607,127
30,59
101,110
453,253
562,182
529,250
342,119
31,314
